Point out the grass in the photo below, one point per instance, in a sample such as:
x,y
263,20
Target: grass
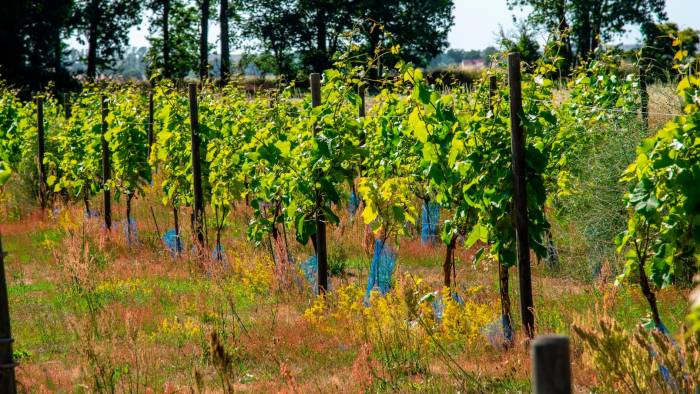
x,y
146,317
92,313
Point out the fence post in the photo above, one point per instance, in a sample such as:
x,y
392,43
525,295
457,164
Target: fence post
x,y
493,88
66,105
520,193
198,213
321,252
150,122
361,91
41,150
551,367
644,97
7,362
106,167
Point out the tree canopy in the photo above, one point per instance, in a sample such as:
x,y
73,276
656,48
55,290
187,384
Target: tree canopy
x,y
104,26
662,41
303,35
173,37
295,37
582,24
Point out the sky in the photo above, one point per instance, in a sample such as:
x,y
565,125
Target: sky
x,y
477,22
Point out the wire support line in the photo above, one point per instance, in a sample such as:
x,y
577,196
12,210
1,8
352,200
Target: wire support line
x,y
612,110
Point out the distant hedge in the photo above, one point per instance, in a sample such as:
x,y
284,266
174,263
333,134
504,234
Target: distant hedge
x,y
453,75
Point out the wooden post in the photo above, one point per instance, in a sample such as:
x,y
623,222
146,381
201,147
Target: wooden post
x,y
644,97
520,193
106,168
551,367
361,93
66,105
225,65
198,212
150,122
7,363
203,40
493,88
321,252
41,150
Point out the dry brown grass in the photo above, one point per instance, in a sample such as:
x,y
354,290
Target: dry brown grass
x,y
157,312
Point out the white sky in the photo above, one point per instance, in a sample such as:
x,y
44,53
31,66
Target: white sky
x,y
477,23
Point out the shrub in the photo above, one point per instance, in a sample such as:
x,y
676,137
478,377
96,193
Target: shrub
x,y
453,75
337,260
640,361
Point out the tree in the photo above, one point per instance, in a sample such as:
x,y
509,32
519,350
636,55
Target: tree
x,y
104,25
488,52
314,28
454,56
225,53
228,11
582,24
32,33
523,42
204,38
275,26
173,38
661,42
11,61
259,64
419,27
326,20
44,27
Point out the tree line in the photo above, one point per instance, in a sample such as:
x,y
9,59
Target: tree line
x,y
296,37
581,27
289,38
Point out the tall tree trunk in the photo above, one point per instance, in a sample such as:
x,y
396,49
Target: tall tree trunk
x,y
225,53
564,35
58,52
12,46
92,39
584,32
321,39
373,45
204,41
449,261
596,25
167,68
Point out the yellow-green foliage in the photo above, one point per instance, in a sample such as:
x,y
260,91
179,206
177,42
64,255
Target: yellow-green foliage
x,y
336,311
254,274
121,289
463,323
178,331
404,308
